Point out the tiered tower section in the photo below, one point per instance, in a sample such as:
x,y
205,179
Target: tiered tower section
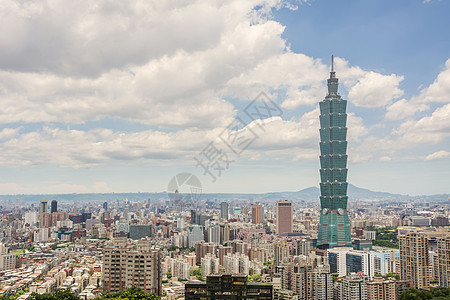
x,y
334,227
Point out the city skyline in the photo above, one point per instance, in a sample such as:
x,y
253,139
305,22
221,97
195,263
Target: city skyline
x,y
91,105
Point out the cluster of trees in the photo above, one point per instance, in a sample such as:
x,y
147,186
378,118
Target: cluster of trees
x,y
388,275
254,278
133,293
198,274
386,236
439,293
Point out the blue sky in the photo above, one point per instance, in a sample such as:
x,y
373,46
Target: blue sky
x,y
119,97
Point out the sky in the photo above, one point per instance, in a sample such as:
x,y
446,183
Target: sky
x,y
121,96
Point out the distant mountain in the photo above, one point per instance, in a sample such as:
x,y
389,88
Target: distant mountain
x,y
309,194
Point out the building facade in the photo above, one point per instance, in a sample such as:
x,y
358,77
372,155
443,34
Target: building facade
x,y
414,260
54,206
257,214
224,210
334,227
125,266
285,216
226,286
443,251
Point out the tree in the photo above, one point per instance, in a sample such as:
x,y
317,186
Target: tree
x,y
64,294
133,293
254,278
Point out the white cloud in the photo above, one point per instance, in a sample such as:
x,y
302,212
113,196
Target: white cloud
x,y
76,148
385,158
356,128
438,155
439,90
375,90
160,64
427,130
402,109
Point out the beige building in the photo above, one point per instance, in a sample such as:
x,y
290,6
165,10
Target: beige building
x,y
285,216
443,251
280,252
7,260
298,276
125,266
257,213
414,259
380,289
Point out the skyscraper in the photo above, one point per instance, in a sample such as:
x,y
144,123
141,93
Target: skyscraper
x,y
43,208
443,244
257,214
224,210
285,216
138,265
105,206
414,260
54,207
334,227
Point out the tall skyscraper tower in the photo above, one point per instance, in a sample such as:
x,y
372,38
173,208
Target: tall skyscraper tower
x,y
54,207
43,208
414,260
224,210
257,214
285,216
334,227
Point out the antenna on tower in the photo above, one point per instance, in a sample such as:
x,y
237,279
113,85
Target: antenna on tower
x,y
332,63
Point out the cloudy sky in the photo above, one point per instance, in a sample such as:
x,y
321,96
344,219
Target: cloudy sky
x,y
120,96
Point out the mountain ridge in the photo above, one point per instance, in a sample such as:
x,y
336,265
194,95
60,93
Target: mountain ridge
x,y
307,194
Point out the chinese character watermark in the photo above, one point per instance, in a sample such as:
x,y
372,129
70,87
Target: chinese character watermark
x,y
236,137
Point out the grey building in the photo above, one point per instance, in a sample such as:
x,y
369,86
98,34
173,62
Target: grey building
x,y
138,232
224,210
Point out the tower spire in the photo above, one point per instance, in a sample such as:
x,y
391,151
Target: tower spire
x,y
332,73
332,81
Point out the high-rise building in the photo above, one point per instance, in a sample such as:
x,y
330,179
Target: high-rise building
x,y
179,268
353,287
213,233
209,265
383,289
334,227
285,216
280,252
7,260
344,260
54,207
105,206
237,263
414,259
195,234
323,283
139,231
224,210
257,213
43,208
202,249
298,276
138,265
443,251
302,247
